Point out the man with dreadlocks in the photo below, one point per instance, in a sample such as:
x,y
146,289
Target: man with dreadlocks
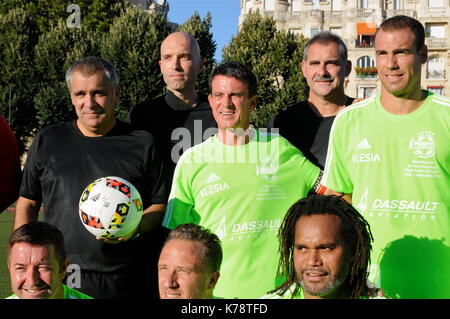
x,y
325,249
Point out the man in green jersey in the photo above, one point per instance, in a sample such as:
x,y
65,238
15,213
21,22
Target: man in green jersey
x,y
325,251
239,183
189,263
37,263
390,152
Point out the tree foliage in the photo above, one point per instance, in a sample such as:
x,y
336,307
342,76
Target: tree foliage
x,y
95,14
56,50
18,37
201,31
36,47
132,45
274,56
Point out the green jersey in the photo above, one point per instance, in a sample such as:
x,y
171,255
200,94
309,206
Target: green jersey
x,y
242,194
69,293
397,168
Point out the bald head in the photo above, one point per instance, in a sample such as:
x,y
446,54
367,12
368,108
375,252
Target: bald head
x,y
182,39
180,62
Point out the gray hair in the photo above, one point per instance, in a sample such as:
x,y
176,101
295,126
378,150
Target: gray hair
x,y
91,65
326,37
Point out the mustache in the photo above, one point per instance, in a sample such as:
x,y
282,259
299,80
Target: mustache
x,y
323,78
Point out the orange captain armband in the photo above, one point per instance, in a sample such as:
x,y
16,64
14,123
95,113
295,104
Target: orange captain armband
x,y
318,187
320,190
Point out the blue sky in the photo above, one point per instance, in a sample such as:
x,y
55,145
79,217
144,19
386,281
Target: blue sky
x,y
225,17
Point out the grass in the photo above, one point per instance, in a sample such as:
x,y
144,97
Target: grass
x,y
6,224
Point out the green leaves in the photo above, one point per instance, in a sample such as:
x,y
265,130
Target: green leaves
x,y
132,45
274,56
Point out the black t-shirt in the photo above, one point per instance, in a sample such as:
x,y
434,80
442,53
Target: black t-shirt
x,y
305,130
174,130
62,162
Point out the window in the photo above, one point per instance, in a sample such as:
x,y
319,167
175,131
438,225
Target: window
x,y
336,30
269,5
364,4
435,68
365,91
435,30
436,3
365,62
366,34
314,31
296,5
398,4
335,5
436,89
365,67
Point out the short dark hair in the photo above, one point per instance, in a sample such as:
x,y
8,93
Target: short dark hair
x,y
324,38
355,232
404,22
213,246
91,65
41,234
236,70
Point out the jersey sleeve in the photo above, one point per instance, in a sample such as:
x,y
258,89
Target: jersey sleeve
x,y
310,172
336,175
30,187
180,208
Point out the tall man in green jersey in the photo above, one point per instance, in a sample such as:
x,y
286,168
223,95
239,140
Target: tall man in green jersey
x,y
239,183
391,153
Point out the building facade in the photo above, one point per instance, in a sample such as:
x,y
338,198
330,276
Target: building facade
x,y
356,21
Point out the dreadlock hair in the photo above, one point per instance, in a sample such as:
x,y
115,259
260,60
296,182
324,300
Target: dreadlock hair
x,y
355,232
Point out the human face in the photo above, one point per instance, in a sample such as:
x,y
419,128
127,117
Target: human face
x,y
230,103
94,100
35,272
324,70
182,273
398,62
180,62
321,260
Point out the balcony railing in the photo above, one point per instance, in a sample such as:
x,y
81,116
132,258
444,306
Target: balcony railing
x,y
436,12
435,43
364,13
409,13
334,15
365,43
436,75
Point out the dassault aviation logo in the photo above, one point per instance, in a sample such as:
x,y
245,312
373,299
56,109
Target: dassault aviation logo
x,y
424,145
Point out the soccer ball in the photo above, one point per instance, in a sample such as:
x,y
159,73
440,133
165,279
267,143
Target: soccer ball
x,y
110,207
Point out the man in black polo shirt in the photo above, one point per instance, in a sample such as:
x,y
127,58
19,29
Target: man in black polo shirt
x,y
307,124
64,158
182,117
